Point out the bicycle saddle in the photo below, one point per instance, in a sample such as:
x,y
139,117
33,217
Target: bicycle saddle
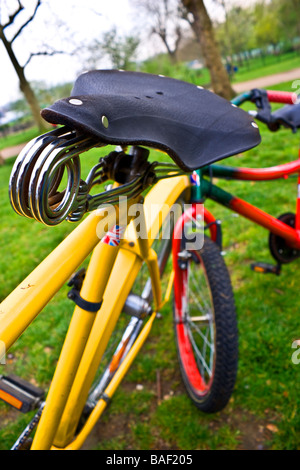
x,y
288,116
193,125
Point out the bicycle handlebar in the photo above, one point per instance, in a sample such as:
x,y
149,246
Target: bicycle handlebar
x,y
262,99
283,97
240,99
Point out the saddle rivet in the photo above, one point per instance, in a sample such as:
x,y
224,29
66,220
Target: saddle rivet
x,y
104,121
76,102
254,125
200,87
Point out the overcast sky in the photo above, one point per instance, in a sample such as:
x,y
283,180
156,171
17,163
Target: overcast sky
x,y
81,19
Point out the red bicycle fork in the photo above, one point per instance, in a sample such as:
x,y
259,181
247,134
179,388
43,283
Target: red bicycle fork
x,y
180,266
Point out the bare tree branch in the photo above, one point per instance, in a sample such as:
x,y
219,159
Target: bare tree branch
x,y
39,2
46,53
164,19
13,16
23,82
95,12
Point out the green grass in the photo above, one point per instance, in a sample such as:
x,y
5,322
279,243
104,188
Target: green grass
x,y
256,68
263,411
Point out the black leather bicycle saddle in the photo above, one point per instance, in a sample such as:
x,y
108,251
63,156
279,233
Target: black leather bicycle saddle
x,y
193,125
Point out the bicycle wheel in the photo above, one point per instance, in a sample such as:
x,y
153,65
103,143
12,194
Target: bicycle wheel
x,y
205,326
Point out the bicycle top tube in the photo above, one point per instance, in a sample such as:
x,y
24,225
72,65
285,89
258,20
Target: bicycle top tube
x,y
253,174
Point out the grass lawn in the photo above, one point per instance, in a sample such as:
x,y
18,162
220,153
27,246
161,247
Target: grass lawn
x,y
256,68
264,410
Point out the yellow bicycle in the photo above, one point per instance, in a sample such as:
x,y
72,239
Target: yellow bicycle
x,y
147,211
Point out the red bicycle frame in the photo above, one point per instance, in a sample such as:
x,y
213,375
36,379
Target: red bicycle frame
x,y
209,190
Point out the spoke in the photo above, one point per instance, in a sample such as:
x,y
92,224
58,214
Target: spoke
x,y
206,312
199,355
198,288
211,345
196,300
199,315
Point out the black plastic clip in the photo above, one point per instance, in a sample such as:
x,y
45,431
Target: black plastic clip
x,y
74,294
92,307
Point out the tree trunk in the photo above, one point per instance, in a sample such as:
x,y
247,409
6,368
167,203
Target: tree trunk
x,y
204,32
33,103
25,86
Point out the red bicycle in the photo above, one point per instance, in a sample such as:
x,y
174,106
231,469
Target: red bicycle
x,y
214,297
284,238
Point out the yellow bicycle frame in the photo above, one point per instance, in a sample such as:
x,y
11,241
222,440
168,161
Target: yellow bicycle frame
x,y
109,278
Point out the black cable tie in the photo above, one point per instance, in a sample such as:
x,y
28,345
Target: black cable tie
x,y
92,307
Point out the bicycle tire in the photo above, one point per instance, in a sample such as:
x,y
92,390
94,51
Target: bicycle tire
x,y
210,390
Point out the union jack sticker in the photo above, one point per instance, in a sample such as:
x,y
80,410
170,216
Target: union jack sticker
x,y
113,237
194,178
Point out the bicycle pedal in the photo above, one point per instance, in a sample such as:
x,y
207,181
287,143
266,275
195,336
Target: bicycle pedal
x,y
266,268
20,394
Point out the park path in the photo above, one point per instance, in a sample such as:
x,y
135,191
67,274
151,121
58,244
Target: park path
x,y
10,152
269,80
